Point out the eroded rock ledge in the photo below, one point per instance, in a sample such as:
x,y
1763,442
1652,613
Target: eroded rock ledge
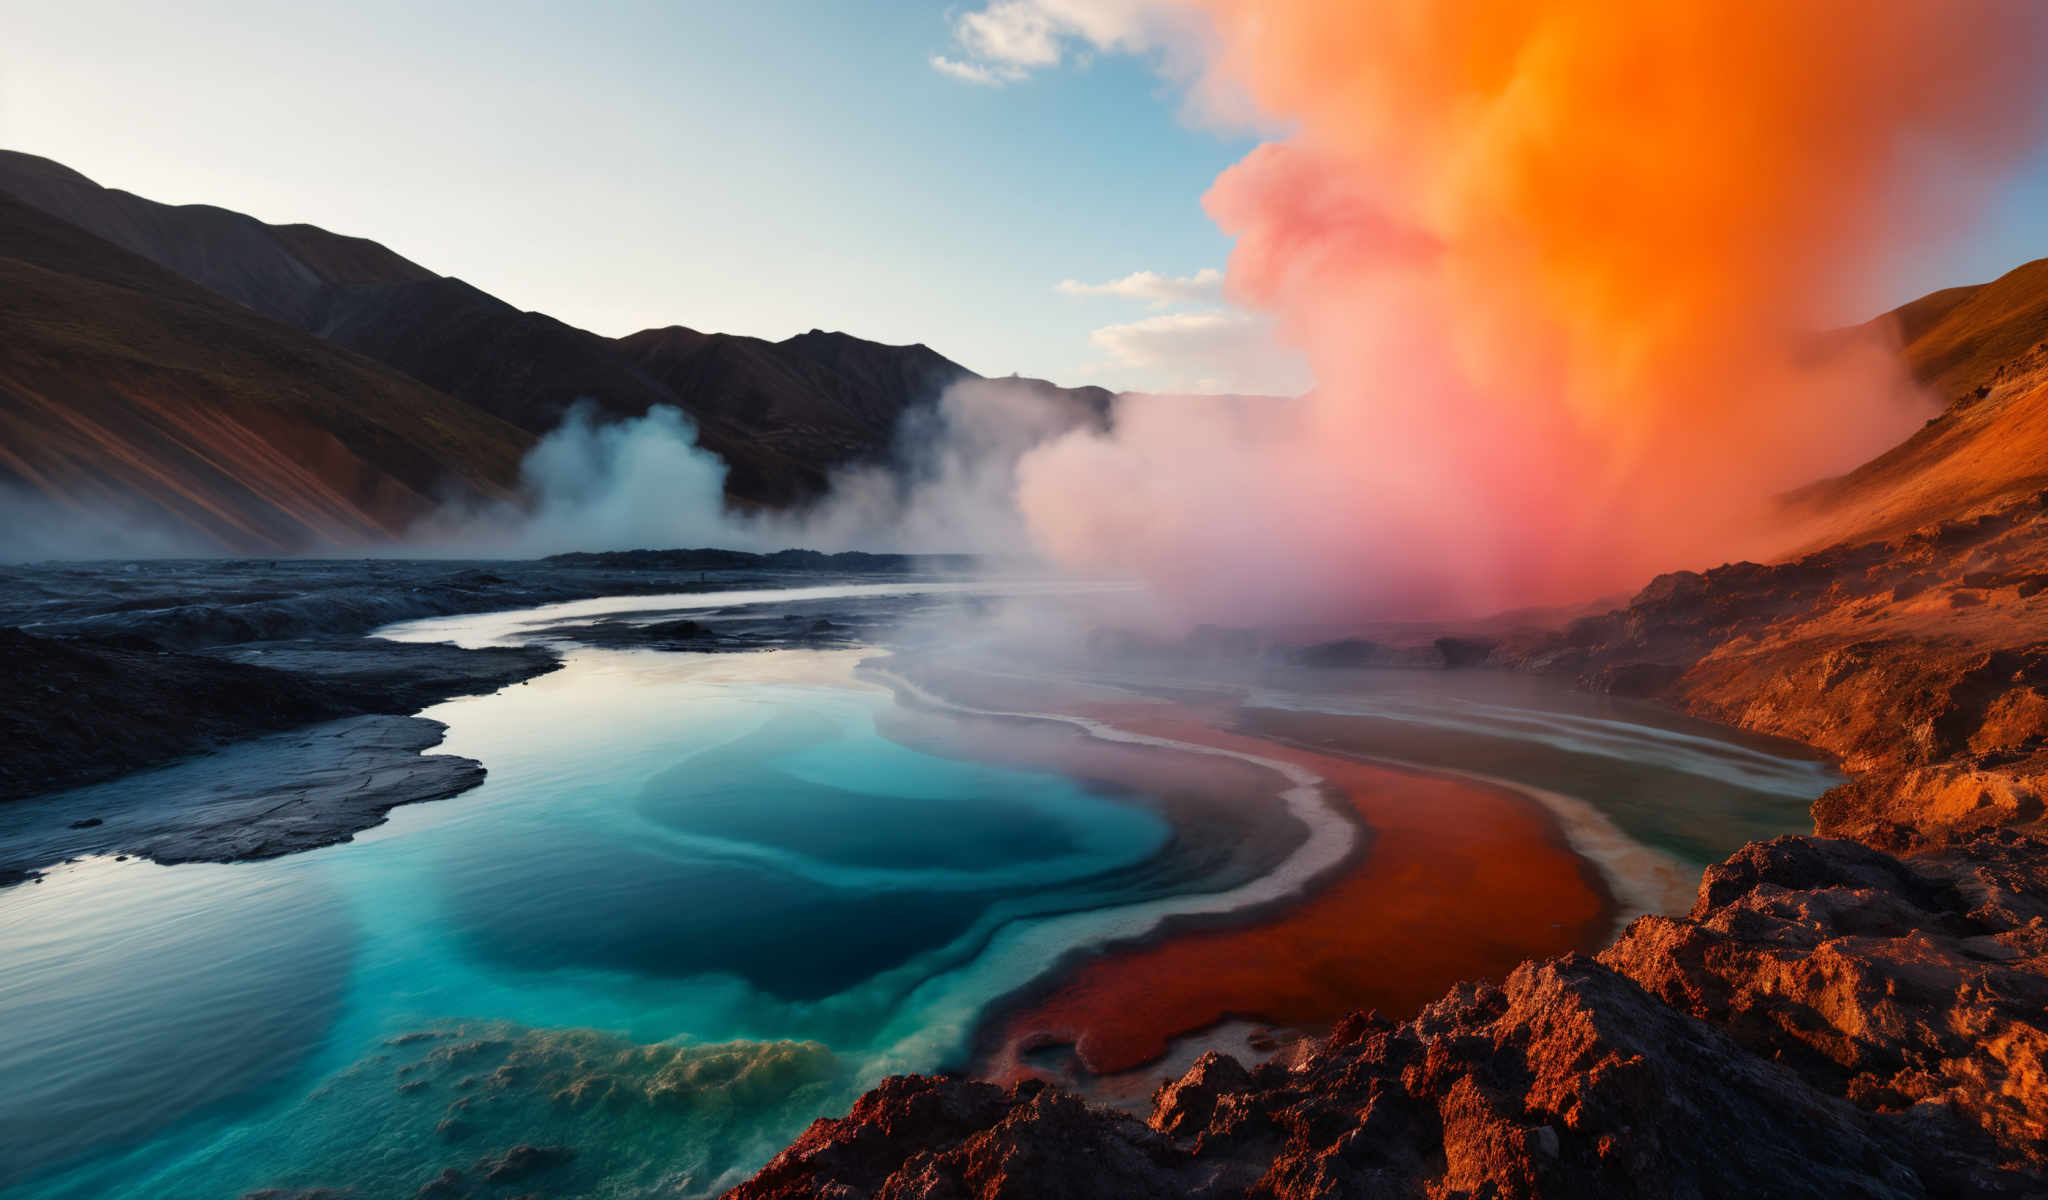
x,y
1828,1021
260,798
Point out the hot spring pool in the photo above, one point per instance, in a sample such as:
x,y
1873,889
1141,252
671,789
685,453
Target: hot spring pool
x,y
699,901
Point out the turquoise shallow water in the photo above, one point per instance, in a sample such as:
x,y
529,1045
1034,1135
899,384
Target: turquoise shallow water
x,y
667,847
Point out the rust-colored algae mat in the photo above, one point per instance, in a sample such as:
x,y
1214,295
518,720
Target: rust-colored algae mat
x,y
1459,881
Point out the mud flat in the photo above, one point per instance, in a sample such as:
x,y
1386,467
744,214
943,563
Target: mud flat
x,y
328,745
261,798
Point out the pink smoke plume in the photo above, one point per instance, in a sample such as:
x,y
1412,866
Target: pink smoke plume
x,y
1559,267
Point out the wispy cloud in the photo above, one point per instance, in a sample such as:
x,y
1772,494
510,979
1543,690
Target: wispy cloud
x,y
1005,40
1158,290
1215,350
983,74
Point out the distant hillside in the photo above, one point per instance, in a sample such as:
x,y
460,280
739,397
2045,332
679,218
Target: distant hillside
x,y
782,415
126,388
1985,350
283,271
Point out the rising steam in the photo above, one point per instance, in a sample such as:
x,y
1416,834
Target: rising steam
x,y
1556,265
949,486
591,486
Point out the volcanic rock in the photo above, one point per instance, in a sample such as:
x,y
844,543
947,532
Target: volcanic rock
x,y
261,798
75,711
1566,1080
1186,1104
1905,985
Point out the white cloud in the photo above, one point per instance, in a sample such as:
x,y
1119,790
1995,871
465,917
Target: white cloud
x,y
1005,40
1209,350
984,74
1150,286
1020,32
1216,350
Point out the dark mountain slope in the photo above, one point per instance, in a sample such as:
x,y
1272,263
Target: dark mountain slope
x,y
127,389
526,368
784,414
523,367
877,379
281,271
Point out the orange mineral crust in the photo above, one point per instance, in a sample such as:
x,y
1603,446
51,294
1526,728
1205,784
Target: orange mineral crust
x,y
1460,881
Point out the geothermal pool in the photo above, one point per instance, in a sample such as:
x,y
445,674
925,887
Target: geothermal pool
x,y
703,899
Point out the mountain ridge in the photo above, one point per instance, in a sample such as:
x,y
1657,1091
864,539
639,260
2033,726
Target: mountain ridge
x,y
128,390
783,416
786,416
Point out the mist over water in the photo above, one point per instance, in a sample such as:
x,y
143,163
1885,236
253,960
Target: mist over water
x,y
36,528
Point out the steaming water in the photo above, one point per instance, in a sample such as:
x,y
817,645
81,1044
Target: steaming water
x,y
699,850
1689,790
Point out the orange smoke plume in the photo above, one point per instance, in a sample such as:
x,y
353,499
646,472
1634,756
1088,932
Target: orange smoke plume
x,y
1558,266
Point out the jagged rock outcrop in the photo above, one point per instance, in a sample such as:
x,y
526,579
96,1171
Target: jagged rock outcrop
x,y
1893,982
915,1136
1922,808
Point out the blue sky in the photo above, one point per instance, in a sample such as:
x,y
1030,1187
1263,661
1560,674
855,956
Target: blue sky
x,y
760,168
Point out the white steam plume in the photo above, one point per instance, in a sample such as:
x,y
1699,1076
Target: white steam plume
x,y
644,483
